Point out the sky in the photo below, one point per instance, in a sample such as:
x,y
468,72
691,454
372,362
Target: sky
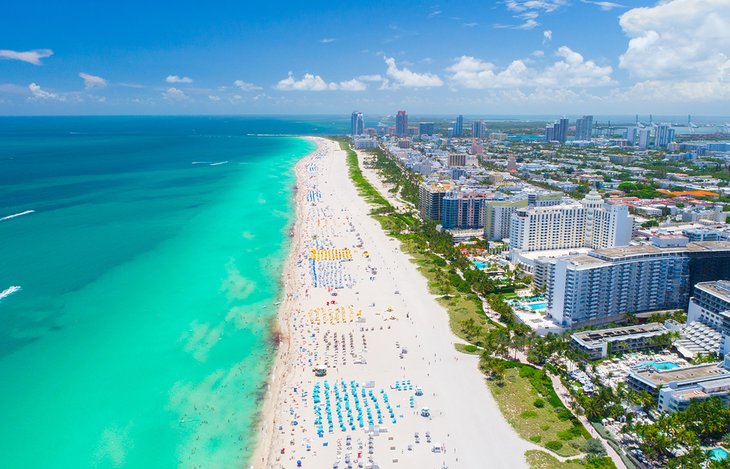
x,y
506,57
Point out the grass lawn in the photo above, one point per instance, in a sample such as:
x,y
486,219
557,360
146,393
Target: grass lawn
x,y
469,349
542,460
460,305
537,416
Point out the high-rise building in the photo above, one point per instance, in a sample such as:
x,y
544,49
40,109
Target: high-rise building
x,y
401,124
603,285
478,129
357,124
459,126
663,136
710,305
463,210
549,133
584,128
590,223
511,164
632,134
430,199
456,159
499,212
644,138
425,128
561,133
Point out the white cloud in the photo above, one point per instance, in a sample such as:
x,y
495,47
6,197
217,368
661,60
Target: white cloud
x,y
547,36
352,85
406,78
571,71
678,40
574,71
214,98
370,78
528,11
653,91
312,82
246,86
177,79
547,6
605,6
327,40
31,56
174,94
41,94
92,81
308,83
470,25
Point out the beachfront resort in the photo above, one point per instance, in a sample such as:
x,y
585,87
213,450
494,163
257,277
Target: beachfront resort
x,y
578,287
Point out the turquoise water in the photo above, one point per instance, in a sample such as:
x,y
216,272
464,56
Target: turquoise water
x,y
480,265
536,306
140,337
718,454
660,365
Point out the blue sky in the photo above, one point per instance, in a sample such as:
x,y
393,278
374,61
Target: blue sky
x,y
315,57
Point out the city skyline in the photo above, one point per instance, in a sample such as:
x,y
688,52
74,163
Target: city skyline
x,y
515,57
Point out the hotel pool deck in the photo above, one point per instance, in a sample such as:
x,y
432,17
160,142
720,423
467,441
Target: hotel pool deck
x,y
718,454
533,304
659,366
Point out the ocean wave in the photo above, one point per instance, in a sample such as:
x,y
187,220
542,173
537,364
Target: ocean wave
x,y
17,215
9,291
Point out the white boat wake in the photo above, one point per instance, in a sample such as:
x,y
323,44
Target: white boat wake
x,y
9,291
17,215
219,163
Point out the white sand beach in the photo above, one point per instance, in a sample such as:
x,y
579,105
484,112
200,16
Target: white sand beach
x,y
358,307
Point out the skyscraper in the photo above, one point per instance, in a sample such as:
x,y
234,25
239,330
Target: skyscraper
x,y
584,128
549,133
644,138
425,128
459,126
357,124
478,129
401,124
562,130
664,135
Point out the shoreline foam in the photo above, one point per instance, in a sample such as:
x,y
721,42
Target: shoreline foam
x,y
281,332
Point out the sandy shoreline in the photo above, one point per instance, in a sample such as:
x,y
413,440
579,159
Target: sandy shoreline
x,y
279,368
386,345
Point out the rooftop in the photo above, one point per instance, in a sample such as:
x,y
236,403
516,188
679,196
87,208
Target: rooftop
x,y
642,249
583,260
719,288
602,335
691,373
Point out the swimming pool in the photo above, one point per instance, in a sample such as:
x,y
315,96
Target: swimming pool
x,y
480,265
718,454
536,306
660,365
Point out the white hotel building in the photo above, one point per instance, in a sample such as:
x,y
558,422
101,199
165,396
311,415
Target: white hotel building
x,y
590,223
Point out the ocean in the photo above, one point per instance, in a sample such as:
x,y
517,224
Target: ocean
x,y
149,252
